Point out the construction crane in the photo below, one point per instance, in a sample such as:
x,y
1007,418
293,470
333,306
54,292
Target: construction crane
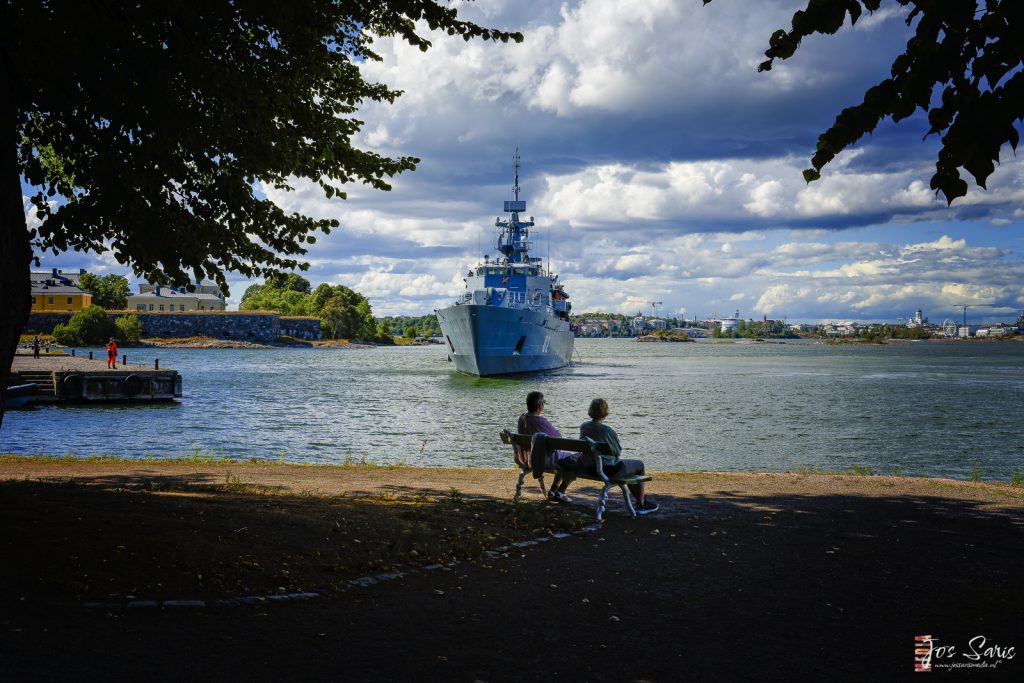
x,y
652,304
966,306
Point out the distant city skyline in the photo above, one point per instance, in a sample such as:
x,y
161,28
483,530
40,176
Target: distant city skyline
x,y
663,167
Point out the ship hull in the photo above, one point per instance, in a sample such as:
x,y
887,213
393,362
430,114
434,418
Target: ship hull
x,y
491,340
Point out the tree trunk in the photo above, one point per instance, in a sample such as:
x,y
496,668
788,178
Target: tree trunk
x,y
15,247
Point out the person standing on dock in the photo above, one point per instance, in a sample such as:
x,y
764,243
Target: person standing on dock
x,y
35,347
112,355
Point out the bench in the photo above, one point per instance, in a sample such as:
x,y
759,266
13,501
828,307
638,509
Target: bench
x,y
591,453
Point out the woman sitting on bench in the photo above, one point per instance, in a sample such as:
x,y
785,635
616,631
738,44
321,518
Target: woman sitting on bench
x,y
596,430
531,422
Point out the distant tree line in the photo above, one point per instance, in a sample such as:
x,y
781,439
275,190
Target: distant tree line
x,y
343,313
755,329
412,326
894,332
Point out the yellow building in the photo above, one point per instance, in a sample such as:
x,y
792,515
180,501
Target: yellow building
x,y
55,290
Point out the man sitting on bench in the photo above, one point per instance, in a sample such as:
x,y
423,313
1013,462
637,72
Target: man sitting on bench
x,y
531,422
596,430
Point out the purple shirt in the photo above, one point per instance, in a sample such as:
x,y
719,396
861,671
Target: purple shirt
x,y
534,424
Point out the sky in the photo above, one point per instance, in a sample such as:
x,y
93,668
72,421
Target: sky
x,y
661,167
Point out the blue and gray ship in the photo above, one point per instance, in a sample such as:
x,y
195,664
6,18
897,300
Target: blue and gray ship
x,y
514,315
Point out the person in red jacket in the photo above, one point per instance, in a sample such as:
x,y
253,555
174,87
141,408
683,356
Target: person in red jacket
x,y
112,354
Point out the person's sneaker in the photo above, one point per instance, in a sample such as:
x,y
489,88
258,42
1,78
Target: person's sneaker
x,y
647,507
558,497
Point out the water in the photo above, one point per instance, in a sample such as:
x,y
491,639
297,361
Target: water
x,y
935,408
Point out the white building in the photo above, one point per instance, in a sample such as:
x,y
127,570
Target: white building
x,y
727,324
157,298
201,287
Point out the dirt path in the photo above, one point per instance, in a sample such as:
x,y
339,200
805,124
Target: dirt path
x,y
743,576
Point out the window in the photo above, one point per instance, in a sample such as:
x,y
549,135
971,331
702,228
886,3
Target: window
x,y
33,301
51,300
161,307
181,307
69,300
151,307
140,307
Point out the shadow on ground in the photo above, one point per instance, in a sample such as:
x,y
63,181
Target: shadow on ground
x,y
723,585
147,536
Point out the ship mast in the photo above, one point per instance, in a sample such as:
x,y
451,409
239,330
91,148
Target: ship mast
x,y
514,242
515,165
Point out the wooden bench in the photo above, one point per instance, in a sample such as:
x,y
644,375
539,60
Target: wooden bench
x,y
590,452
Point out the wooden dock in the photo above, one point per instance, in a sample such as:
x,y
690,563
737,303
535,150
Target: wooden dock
x,y
77,379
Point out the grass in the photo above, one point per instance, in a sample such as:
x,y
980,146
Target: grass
x,y
806,469
28,338
975,470
286,339
1017,478
189,340
199,457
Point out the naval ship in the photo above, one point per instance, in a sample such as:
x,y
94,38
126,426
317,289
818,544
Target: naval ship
x,y
514,315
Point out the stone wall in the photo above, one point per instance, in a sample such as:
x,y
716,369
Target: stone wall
x,y
43,323
300,328
244,326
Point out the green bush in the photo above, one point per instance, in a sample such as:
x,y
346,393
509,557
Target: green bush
x,y
88,326
129,329
411,332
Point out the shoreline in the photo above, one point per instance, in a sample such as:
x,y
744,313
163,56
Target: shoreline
x,y
212,343
1014,485
481,479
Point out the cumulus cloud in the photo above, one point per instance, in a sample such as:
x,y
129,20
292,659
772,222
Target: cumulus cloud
x,y
662,167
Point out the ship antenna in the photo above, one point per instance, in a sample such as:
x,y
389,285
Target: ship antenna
x,y
549,251
515,165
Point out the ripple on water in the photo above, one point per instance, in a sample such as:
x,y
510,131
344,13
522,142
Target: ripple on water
x,y
678,406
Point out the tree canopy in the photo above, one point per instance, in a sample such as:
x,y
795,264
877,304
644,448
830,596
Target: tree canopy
x,y
108,291
343,313
285,293
146,128
962,66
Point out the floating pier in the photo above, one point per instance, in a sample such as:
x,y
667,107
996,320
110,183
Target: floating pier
x,y
61,378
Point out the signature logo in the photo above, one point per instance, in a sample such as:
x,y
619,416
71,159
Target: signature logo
x,y
979,653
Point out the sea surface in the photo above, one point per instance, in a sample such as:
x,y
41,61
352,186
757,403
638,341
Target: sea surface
x,y
935,408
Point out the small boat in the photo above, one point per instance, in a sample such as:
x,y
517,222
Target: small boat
x,y
19,395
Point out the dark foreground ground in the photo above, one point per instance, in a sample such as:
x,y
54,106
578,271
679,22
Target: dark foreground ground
x,y
742,577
